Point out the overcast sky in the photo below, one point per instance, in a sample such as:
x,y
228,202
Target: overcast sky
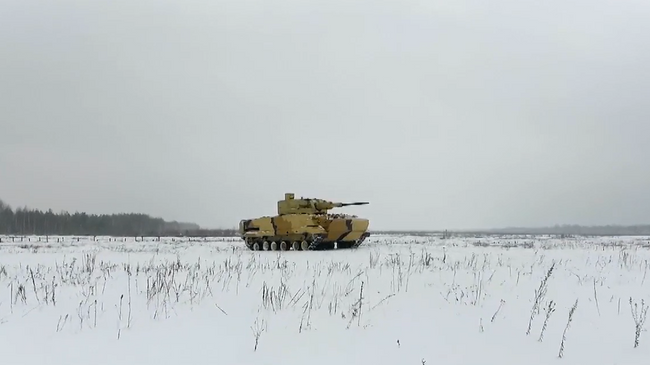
x,y
442,114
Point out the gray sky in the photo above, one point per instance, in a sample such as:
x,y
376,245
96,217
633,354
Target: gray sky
x,y
455,114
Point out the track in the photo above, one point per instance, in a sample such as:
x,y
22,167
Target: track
x,y
315,245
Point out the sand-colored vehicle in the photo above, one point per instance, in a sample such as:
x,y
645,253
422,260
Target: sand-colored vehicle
x,y
305,224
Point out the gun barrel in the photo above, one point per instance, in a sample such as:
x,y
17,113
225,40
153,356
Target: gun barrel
x,y
354,203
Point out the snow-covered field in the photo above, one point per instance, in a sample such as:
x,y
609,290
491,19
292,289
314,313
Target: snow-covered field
x,y
395,300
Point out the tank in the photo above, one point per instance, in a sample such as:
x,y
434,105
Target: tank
x,y
305,224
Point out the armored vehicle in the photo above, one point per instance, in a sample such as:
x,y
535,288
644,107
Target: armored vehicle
x,y
305,224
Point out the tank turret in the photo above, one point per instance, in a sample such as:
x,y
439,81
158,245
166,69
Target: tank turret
x,y
291,205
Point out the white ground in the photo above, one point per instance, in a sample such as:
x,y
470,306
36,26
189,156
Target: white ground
x,y
424,300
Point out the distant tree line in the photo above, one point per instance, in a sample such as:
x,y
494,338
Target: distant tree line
x,y
24,221
575,229
559,230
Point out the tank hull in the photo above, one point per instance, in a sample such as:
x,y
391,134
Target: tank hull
x,y
304,232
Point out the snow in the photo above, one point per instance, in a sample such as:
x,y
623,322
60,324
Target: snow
x,y
424,300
